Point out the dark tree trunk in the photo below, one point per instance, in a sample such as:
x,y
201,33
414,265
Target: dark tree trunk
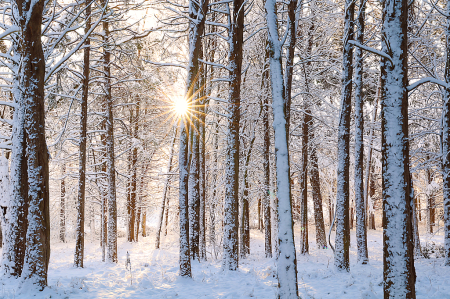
x,y
303,175
321,239
194,192
303,180
202,102
62,211
35,164
197,11
144,225
266,160
446,142
231,203
431,211
341,256
361,229
79,241
110,158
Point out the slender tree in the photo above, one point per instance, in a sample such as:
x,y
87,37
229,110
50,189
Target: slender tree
x,y
286,259
79,242
62,211
165,190
446,141
361,229
266,158
341,254
109,141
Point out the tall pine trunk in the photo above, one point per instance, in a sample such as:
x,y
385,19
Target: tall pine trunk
x,y
398,256
266,160
286,259
341,255
197,11
446,142
79,242
361,229
62,206
110,158
231,203
321,239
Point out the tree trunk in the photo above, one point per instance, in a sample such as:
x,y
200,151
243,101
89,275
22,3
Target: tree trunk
x,y
165,191
110,158
144,221
79,239
32,74
197,11
368,190
361,229
417,248
213,200
446,143
341,255
138,222
16,211
286,261
202,102
266,160
303,175
431,212
131,205
398,256
231,203
321,239
194,192
62,211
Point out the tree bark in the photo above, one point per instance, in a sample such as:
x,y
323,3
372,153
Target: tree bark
x,y
266,159
31,98
231,203
341,255
398,256
431,212
361,229
79,239
194,192
62,211
321,239
446,142
286,261
110,158
165,190
197,11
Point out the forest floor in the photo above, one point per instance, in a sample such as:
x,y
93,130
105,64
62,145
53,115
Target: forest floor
x,y
154,273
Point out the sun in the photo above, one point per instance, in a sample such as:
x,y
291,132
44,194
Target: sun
x,y
180,106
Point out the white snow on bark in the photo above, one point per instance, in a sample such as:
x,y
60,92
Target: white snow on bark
x,y
286,259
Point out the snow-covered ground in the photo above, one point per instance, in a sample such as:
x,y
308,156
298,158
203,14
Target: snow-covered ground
x,y
154,273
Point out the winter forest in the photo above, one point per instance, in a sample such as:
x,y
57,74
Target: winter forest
x,y
225,149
